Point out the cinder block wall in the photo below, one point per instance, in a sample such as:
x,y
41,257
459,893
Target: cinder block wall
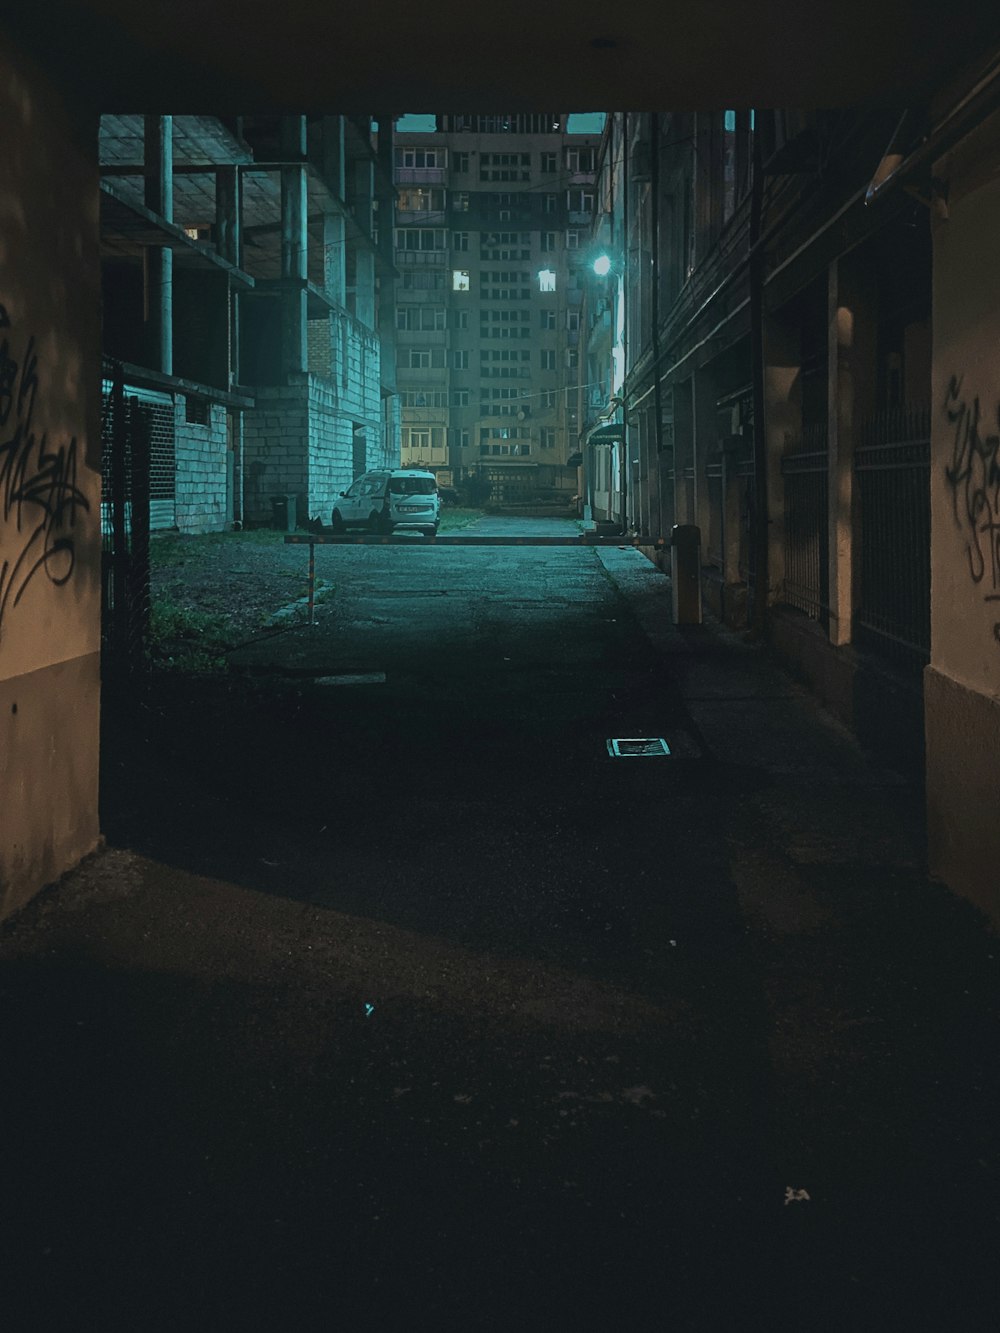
x,y
276,447
200,504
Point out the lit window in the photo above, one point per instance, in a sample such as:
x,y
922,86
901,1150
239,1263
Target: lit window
x,y
546,280
460,280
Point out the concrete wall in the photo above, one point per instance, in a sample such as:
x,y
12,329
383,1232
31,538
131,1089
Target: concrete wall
x,y
962,683
200,452
50,454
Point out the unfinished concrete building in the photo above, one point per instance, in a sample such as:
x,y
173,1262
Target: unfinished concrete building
x,y
246,300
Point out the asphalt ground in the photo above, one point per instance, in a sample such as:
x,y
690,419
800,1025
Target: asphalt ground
x,y
403,1005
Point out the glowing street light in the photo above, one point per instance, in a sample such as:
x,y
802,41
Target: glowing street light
x,y
602,265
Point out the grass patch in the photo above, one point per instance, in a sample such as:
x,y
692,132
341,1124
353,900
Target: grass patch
x,y
180,547
186,639
454,518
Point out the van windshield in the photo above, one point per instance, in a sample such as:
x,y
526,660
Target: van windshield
x,y
412,485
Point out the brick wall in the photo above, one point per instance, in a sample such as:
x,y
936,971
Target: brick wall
x,y
200,459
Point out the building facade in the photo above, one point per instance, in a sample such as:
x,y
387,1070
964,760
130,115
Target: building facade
x,y
245,299
493,219
803,299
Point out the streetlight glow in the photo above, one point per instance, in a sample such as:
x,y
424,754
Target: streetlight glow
x,y
602,265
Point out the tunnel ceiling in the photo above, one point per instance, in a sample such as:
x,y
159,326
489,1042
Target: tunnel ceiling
x,y
234,55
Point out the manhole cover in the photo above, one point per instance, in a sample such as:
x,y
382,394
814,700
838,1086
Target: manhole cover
x,y
645,747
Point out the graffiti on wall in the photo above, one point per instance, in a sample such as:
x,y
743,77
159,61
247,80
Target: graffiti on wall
x,y
973,477
39,497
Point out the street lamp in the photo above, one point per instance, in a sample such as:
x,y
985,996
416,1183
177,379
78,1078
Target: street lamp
x,y
602,265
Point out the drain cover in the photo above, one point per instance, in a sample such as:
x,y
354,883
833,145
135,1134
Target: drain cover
x,y
353,678
645,747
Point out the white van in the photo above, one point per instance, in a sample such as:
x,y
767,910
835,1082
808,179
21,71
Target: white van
x,y
382,501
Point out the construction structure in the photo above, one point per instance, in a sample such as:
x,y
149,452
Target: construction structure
x,y
250,307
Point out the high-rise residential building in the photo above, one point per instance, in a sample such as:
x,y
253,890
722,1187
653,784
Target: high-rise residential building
x,y
493,218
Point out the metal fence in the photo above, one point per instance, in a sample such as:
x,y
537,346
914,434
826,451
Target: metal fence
x,y
892,470
125,505
805,473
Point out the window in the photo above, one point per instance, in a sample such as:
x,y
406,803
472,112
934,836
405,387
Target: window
x,y
572,358
548,241
418,317
580,160
548,319
416,200
422,282
424,398
460,398
549,203
460,319
580,201
546,280
548,438
550,162
423,358
548,359
460,280
547,399
420,238
504,166
572,240
505,245
460,240
460,201
419,157
460,162
573,320
460,360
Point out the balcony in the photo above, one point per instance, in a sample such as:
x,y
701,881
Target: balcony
x,y
420,175
422,338
409,258
577,216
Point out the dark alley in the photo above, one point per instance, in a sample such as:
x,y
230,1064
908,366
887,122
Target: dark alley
x,y
408,1005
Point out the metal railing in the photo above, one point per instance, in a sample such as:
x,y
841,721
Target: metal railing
x,y
805,473
892,472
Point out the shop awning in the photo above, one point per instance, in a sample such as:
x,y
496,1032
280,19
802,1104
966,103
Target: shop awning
x,y
612,433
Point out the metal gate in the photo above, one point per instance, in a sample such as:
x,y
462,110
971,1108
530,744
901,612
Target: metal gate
x,y
126,429
162,454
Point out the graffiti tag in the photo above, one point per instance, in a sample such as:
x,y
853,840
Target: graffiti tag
x,y
974,479
39,497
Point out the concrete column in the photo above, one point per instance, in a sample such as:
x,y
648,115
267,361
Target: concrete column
x,y
364,266
294,247
228,189
158,194
229,244
851,362
782,424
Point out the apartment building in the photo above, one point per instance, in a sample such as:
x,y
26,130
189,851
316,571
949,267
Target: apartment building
x,y
493,219
249,308
803,307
